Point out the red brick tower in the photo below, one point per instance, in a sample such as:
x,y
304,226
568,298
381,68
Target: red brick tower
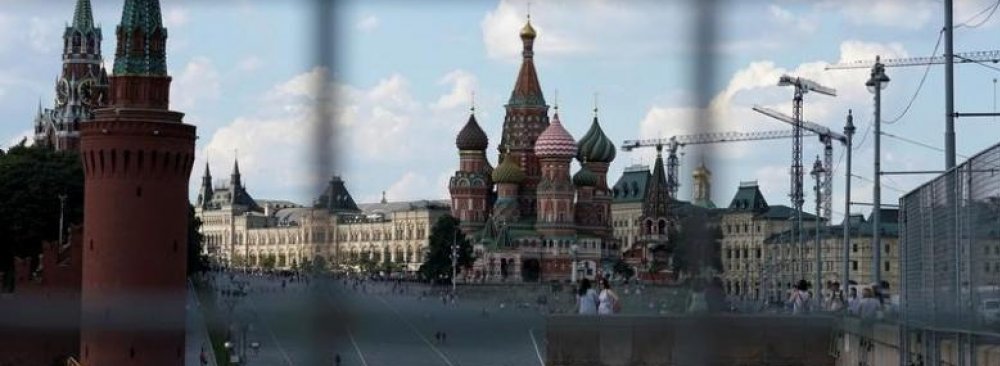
x,y
471,185
137,160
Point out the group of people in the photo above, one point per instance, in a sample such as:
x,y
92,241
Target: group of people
x,y
871,304
601,301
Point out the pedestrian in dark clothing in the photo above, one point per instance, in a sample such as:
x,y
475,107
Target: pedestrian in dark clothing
x,y
336,359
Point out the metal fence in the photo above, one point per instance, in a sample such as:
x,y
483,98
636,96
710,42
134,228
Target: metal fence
x,y
950,230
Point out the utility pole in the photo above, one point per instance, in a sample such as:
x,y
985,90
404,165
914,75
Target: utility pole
x,y
875,84
849,133
949,87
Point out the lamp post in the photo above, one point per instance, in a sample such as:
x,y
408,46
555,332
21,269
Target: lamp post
x,y
454,259
875,84
573,249
817,174
845,276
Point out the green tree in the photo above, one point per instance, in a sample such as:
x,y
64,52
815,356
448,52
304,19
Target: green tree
x,y
623,269
31,180
196,261
437,264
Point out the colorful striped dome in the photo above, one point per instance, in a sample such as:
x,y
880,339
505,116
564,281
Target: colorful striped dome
x,y
595,146
555,141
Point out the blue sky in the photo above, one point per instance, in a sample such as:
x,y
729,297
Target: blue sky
x,y
245,73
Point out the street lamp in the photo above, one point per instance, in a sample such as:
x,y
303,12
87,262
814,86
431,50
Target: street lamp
x,y
454,259
573,249
849,133
875,84
817,174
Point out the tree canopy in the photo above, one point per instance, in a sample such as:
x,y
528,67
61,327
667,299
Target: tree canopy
x,y
437,264
31,181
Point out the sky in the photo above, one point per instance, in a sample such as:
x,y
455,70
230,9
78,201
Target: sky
x,y
246,73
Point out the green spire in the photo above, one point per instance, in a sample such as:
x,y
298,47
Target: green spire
x,y
83,17
141,19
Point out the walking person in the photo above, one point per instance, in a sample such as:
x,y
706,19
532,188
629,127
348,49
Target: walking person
x,y
853,302
586,299
608,301
799,297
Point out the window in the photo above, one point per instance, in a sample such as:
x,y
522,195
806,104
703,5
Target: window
x,y
854,265
887,266
888,248
986,268
854,248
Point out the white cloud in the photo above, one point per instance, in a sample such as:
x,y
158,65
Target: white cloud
x,y
368,23
463,84
250,63
381,125
176,17
197,83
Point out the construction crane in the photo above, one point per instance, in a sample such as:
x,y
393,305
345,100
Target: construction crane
x,y
676,142
826,136
802,86
960,58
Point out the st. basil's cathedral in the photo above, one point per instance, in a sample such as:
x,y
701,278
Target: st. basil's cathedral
x,y
528,218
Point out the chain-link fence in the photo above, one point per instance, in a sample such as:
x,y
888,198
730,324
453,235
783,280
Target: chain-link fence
x,y
951,247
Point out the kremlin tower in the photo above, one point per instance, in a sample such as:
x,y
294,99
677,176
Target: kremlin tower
x,y
540,223
137,157
81,88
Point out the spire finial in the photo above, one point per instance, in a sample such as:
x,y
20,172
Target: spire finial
x,y
473,108
529,11
595,104
384,201
557,100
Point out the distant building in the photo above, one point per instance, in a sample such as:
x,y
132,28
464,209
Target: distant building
x,y
746,225
242,231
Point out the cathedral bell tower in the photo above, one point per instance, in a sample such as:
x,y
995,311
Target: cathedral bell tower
x,y
137,158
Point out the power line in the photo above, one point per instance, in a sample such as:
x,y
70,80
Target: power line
x,y
992,9
918,143
922,79
883,183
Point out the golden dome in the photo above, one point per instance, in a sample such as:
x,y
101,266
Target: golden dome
x,y
701,171
528,31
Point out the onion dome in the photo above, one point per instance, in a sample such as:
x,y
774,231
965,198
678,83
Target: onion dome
x,y
595,146
508,172
585,178
701,172
472,137
555,141
528,31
